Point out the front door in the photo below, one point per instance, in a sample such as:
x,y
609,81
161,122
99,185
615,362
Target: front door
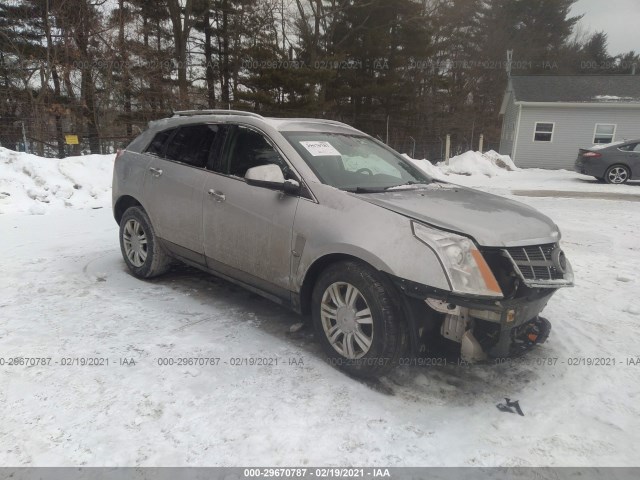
x,y
248,229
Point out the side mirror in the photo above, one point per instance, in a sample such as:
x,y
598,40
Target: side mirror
x,y
270,176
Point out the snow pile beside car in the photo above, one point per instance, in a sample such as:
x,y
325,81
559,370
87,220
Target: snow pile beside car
x,y
426,166
32,184
470,163
490,164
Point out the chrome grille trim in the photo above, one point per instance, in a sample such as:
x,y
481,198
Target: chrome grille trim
x,y
535,265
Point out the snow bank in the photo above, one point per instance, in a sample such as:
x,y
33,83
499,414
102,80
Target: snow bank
x,y
426,166
35,185
470,163
490,164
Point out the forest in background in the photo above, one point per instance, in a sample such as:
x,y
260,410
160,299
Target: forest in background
x,y
406,71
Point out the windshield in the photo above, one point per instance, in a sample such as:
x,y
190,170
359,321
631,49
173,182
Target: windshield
x,y
354,162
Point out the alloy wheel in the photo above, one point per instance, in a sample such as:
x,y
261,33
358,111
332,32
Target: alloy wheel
x,y
346,320
135,242
618,175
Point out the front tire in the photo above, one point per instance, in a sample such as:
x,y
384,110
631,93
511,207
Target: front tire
x,y
357,320
617,174
140,246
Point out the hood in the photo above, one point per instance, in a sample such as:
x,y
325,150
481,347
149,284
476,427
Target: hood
x,y
491,220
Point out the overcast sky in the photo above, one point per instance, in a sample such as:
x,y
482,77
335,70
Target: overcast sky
x,y
620,19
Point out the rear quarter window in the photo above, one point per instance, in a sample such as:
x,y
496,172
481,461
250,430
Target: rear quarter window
x,y
158,144
634,147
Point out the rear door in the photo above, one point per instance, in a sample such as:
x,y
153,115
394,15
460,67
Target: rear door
x,y
173,187
248,229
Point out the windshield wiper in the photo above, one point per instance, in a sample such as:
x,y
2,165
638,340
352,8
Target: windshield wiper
x,y
366,189
409,183
383,189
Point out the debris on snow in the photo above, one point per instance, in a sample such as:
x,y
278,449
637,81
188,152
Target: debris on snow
x,y
508,406
296,327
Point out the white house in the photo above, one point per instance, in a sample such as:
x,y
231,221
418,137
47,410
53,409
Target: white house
x,y
547,118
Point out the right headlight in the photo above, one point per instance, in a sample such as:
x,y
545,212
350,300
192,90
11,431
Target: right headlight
x,y
463,263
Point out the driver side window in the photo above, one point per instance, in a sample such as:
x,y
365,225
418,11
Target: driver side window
x,y
248,149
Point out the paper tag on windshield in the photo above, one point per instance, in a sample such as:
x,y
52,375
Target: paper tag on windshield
x,y
320,149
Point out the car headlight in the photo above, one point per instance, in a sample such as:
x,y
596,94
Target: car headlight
x,y
463,263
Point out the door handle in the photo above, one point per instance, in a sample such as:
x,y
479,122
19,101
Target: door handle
x,y
156,172
218,196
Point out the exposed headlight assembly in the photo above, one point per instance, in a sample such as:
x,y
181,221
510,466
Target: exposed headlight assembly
x,y
463,263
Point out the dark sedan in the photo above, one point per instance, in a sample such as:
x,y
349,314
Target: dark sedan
x,y
615,163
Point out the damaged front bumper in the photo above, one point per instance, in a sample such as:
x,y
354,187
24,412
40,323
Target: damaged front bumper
x,y
500,329
484,328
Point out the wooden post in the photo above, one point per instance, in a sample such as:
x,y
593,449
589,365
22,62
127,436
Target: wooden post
x,y
480,147
24,138
447,149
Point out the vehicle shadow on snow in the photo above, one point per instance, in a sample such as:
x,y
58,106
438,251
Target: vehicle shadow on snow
x,y
438,377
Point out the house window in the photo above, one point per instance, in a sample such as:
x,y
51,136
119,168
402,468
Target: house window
x,y
604,133
543,132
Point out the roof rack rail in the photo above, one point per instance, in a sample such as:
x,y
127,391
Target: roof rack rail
x,y
187,113
320,120
333,122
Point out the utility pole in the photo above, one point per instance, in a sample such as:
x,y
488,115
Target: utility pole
x,y
481,143
413,148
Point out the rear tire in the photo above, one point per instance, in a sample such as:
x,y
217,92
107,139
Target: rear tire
x,y
357,319
140,246
617,174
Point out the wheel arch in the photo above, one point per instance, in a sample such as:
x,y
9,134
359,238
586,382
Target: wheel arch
x,y
411,310
314,271
122,204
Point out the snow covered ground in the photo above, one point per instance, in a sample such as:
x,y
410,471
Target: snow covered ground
x,y
65,294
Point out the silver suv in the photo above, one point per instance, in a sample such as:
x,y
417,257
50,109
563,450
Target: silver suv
x,y
322,218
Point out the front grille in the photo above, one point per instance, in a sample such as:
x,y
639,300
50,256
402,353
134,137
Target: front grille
x,y
536,262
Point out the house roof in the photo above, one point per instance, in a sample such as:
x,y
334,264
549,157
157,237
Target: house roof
x,y
616,89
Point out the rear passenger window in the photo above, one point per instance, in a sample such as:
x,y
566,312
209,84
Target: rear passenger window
x,y
157,145
192,144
